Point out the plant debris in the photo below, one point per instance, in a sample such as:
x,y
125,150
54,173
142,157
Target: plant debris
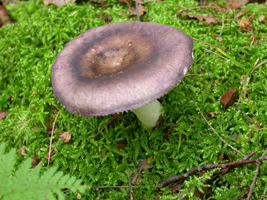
x,y
229,98
35,160
207,19
145,165
65,136
141,10
5,18
58,3
21,151
246,25
225,166
3,114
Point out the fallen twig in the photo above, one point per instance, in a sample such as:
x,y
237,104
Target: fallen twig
x,y
51,139
257,67
122,186
216,132
193,171
130,184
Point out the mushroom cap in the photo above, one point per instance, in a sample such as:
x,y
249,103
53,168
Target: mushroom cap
x,y
120,66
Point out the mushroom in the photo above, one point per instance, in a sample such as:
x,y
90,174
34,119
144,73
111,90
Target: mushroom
x,y
119,67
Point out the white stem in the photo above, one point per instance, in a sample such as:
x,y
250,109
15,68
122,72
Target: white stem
x,y
149,113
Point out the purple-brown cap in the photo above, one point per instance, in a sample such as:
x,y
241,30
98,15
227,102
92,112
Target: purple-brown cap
x,y
120,66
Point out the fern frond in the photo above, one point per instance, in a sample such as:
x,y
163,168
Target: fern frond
x,y
2,150
6,169
27,183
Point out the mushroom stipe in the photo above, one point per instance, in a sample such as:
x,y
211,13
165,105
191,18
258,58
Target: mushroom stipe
x,y
119,67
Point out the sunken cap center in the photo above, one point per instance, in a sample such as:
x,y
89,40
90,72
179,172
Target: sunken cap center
x,y
113,55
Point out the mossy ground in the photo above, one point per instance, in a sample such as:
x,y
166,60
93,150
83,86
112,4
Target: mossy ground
x,y
182,141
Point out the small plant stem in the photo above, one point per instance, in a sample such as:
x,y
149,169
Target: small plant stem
x,y
201,57
137,12
130,185
216,54
246,82
254,179
51,139
216,132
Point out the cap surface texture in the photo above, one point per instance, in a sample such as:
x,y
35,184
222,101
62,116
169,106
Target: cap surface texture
x,y
120,66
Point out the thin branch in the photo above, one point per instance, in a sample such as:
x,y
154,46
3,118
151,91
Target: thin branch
x,y
130,184
250,155
193,171
257,67
201,57
122,186
51,139
217,55
221,51
254,179
216,132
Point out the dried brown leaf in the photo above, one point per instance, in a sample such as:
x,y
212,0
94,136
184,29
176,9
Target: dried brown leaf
x,y
145,164
65,136
219,39
107,18
121,144
58,3
22,151
246,25
237,3
5,18
128,2
211,114
141,10
207,19
261,18
229,98
123,14
3,114
35,160
79,196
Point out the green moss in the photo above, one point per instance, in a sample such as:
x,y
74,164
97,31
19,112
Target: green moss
x,y
182,141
